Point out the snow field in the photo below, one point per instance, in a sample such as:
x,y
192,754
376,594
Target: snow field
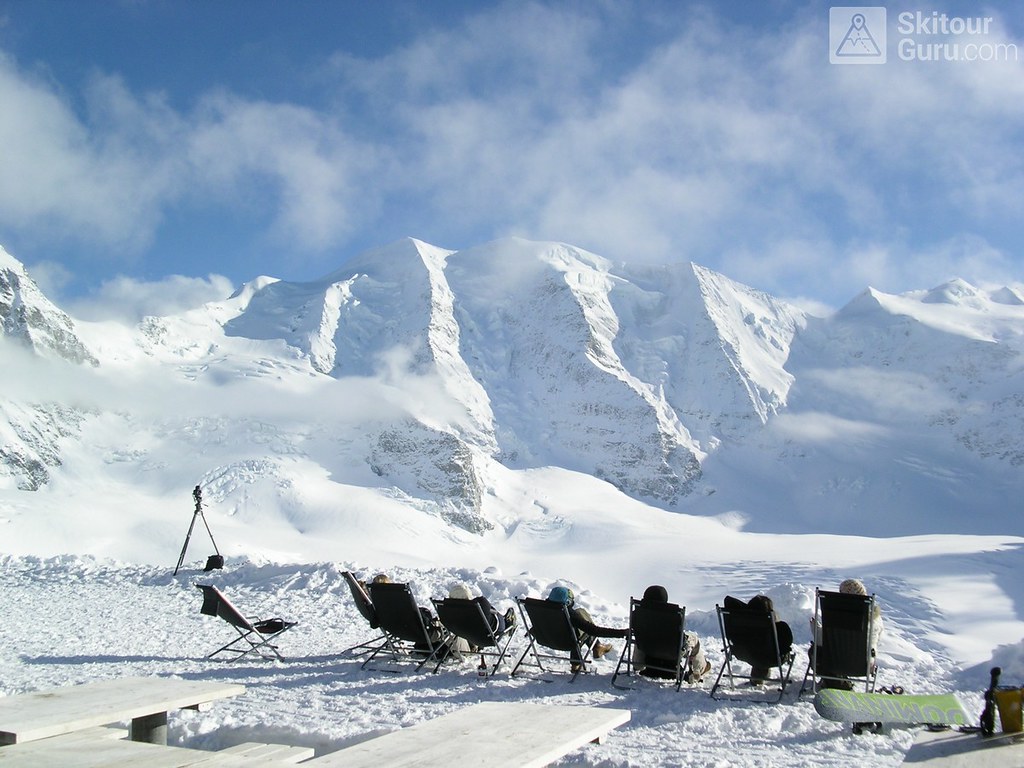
x,y
72,619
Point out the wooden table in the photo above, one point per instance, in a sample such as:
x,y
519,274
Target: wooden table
x,y
492,734
143,700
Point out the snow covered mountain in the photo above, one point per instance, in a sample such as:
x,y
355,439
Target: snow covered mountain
x,y
29,432
28,317
414,379
548,354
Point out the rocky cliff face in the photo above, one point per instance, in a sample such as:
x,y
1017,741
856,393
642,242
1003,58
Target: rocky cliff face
x,y
27,316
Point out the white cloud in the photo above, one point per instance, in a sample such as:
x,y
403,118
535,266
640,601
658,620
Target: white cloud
x,y
127,299
109,177
741,149
824,428
56,173
714,146
313,173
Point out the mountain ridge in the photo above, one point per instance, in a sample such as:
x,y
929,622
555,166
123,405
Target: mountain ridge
x,y
416,371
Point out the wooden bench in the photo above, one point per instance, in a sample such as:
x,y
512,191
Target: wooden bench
x,y
143,700
491,734
486,735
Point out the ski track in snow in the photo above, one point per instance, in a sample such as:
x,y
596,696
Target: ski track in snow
x,y
72,619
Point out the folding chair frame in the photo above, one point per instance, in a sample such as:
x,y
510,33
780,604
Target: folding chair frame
x,y
783,663
250,637
579,654
482,636
365,606
870,674
407,637
626,657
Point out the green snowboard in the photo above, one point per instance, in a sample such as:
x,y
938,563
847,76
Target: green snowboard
x,y
857,707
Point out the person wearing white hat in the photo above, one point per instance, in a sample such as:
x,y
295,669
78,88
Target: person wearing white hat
x,y
856,587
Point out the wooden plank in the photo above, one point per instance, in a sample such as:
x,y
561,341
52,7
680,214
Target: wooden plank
x,y
41,714
74,750
952,749
92,749
487,735
280,752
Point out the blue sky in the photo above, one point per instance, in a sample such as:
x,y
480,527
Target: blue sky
x,y
155,154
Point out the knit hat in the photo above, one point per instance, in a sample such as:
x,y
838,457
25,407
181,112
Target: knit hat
x,y
561,595
655,594
460,591
761,603
853,587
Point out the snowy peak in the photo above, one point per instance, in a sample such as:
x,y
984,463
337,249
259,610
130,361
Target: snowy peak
x,y
1008,296
548,353
343,320
957,293
956,308
714,348
425,375
31,318
539,331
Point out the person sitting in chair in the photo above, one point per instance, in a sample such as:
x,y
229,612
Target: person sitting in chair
x,y
697,665
856,587
850,587
758,672
586,629
499,621
435,631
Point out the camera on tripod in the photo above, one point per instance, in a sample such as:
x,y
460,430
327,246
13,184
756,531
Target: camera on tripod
x,y
213,562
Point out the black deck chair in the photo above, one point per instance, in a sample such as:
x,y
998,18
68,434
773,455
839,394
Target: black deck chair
x,y
410,631
468,620
365,607
549,625
845,654
254,633
656,629
751,635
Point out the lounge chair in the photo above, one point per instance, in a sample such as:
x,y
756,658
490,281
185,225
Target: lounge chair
x,y
842,654
752,635
254,633
656,630
365,607
468,620
548,625
412,633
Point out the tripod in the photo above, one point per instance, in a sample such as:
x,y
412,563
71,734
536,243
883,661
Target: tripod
x,y
213,561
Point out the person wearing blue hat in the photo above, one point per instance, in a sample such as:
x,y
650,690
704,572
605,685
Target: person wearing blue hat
x,y
586,630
